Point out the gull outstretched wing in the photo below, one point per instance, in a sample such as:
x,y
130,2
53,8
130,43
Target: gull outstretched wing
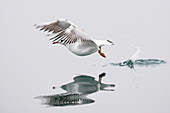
x,y
65,32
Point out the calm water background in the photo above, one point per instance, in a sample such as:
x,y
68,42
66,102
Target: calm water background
x,y
30,65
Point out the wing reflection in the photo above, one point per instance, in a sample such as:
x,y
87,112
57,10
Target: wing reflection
x,y
65,99
77,91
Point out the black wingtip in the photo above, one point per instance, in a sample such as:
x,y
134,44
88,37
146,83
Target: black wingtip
x,y
55,42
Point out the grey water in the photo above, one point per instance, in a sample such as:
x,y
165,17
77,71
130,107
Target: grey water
x,y
77,91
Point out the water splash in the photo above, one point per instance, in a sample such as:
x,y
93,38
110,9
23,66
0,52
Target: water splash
x,y
139,62
149,62
77,91
133,60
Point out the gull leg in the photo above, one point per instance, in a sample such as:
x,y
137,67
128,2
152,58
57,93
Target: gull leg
x,y
102,54
100,77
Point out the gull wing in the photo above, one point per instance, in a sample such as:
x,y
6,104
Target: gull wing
x,y
65,32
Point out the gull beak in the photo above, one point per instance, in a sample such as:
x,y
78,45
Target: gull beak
x,y
111,42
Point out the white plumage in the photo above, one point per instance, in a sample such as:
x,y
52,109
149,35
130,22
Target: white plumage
x,y
71,36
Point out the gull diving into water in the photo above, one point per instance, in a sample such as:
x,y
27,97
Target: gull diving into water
x,y
74,38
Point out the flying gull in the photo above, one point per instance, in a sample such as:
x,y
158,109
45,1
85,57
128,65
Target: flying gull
x,y
74,38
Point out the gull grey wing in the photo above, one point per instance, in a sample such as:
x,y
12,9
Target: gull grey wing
x,y
66,32
54,27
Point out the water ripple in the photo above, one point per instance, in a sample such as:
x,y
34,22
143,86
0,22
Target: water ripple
x,y
139,62
132,61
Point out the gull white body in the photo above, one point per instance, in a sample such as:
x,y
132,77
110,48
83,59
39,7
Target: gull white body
x,y
82,49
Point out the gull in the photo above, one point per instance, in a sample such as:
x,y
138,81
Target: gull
x,y
75,39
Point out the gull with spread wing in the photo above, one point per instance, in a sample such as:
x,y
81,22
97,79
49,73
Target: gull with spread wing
x,y
74,38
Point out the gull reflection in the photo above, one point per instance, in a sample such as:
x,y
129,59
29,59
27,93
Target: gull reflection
x,y
77,91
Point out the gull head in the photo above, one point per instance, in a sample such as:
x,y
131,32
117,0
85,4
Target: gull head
x,y
101,43
106,43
